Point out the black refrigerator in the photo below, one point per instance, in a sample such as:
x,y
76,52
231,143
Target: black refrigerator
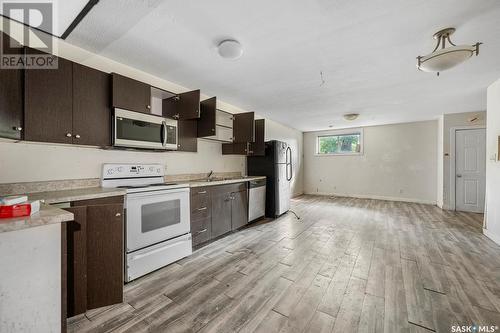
x,y
276,165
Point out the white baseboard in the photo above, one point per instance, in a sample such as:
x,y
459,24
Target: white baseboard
x,y
491,236
375,197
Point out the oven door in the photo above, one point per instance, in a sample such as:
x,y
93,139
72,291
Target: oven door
x,y
156,216
138,130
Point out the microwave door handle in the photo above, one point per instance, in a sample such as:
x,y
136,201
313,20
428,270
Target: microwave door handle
x,y
164,133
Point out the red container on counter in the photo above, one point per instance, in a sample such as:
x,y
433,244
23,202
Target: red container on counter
x,y
19,210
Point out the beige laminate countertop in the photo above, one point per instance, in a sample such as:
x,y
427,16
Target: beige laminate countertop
x,y
47,215
50,214
52,197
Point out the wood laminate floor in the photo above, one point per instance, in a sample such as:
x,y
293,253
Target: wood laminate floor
x,y
348,265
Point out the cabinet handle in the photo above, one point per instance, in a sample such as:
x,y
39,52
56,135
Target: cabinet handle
x,y
77,136
118,214
201,231
148,107
202,208
69,135
202,192
19,129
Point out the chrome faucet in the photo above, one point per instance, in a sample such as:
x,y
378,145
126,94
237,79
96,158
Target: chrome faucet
x,y
210,174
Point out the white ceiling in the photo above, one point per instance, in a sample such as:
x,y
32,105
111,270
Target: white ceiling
x,y
63,13
366,50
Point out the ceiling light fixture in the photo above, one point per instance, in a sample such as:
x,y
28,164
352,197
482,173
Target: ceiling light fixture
x,y
230,49
446,57
351,116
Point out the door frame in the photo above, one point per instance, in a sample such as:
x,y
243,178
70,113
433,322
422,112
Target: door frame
x,y
453,160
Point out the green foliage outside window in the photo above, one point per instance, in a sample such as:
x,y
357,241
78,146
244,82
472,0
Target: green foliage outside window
x,y
339,144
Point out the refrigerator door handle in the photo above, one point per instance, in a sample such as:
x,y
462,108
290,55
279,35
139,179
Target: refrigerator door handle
x,y
289,163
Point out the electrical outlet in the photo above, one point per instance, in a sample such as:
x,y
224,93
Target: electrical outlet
x,y
400,191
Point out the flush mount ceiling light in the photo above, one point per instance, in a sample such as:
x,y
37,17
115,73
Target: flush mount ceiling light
x,y
446,57
351,116
230,49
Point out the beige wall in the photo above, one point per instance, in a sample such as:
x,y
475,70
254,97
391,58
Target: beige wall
x,y
21,162
399,162
446,129
492,224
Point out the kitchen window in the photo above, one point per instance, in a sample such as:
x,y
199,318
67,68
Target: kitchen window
x,y
340,143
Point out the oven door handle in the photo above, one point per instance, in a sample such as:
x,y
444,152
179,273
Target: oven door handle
x,y
163,133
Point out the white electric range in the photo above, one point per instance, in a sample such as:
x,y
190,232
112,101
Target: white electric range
x,y
157,217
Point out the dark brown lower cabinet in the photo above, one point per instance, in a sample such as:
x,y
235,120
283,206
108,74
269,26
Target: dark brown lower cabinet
x,y
76,244
239,209
104,255
217,210
221,210
94,255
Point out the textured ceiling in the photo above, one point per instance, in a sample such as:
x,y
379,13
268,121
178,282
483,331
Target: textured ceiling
x,y
365,49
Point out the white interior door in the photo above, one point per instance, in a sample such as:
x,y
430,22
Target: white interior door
x,y
470,173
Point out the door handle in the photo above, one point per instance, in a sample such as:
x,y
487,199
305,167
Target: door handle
x,y
202,208
164,133
459,176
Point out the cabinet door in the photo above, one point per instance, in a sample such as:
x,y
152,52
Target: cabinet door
x,y
130,94
76,244
239,209
91,106
221,211
11,98
48,110
183,106
188,135
243,127
236,148
206,122
104,255
258,147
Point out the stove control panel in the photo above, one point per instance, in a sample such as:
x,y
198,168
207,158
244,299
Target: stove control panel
x,y
132,170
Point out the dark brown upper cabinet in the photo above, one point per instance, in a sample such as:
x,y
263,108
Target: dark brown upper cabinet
x,y
130,94
187,138
48,103
11,98
255,148
183,106
258,147
243,127
207,120
91,106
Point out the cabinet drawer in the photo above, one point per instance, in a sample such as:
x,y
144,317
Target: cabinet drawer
x,y
237,187
201,212
200,201
201,230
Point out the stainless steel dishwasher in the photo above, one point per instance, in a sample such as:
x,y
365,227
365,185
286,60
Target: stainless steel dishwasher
x,y
256,199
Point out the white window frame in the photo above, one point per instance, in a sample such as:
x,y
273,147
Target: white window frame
x,y
340,132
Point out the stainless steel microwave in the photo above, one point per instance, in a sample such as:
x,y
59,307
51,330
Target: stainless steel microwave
x,y
140,130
